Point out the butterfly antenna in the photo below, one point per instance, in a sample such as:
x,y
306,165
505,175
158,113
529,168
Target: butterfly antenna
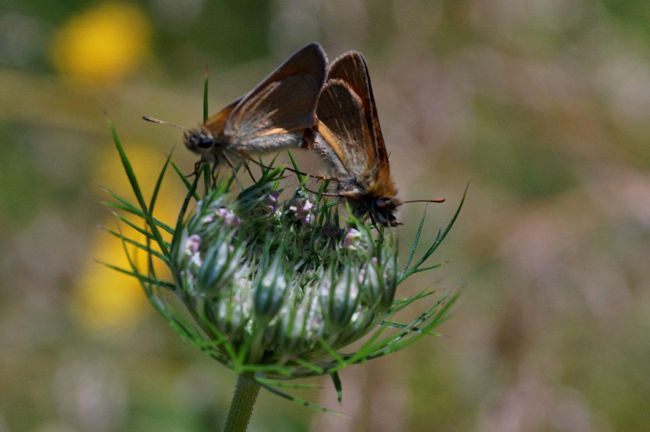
x,y
436,200
163,122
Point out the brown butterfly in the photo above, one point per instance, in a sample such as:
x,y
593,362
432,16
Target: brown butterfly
x,y
272,116
349,138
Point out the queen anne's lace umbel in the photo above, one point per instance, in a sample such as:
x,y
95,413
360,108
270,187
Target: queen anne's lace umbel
x,y
277,284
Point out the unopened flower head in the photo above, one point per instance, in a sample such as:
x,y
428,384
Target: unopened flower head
x,y
276,287
278,295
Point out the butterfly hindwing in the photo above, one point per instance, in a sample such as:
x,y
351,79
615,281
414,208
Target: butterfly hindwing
x,y
342,126
350,127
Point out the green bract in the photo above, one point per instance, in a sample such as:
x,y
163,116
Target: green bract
x,y
274,282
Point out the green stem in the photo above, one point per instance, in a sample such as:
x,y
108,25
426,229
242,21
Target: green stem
x,y
241,406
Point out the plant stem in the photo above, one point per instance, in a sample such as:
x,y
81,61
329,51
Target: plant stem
x,y
241,406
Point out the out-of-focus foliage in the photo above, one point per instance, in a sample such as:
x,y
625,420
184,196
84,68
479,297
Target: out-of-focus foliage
x,y
544,105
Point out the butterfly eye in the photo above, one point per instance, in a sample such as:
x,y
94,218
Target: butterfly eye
x,y
204,141
197,139
380,203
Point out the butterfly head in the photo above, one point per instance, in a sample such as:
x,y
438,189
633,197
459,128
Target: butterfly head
x,y
381,210
199,141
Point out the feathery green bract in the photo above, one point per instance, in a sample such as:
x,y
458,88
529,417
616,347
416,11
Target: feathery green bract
x,y
275,280
206,112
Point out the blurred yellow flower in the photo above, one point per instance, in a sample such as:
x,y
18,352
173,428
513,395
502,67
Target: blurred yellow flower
x,y
102,44
105,299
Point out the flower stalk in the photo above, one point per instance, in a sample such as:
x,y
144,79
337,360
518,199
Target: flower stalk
x,y
242,404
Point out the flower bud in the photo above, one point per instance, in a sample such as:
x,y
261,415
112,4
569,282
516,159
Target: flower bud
x,y
269,290
301,209
228,217
352,239
340,296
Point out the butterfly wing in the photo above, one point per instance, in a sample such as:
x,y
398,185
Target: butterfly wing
x,y
349,136
277,111
342,130
216,123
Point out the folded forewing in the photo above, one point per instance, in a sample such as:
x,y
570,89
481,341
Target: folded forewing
x,y
276,112
352,69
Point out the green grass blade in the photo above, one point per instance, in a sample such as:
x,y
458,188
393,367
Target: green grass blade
x,y
136,187
142,231
206,170
440,237
308,365
438,318
137,212
139,276
367,347
124,203
206,112
156,189
300,401
423,269
332,352
435,315
136,244
301,179
267,369
400,304
416,242
191,193
402,326
186,182
285,384
336,380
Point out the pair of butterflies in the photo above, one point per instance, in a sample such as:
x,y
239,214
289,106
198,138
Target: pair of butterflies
x,y
306,104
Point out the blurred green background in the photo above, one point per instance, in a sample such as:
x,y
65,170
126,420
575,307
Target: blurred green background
x,y
544,105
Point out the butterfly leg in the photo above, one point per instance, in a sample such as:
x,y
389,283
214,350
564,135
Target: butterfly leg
x,y
234,171
214,174
373,220
325,194
299,173
195,171
250,173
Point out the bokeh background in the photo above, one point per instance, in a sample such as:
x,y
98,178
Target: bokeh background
x,y
544,105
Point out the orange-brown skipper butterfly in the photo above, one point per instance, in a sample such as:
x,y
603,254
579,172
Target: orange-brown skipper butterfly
x,y
272,116
349,137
